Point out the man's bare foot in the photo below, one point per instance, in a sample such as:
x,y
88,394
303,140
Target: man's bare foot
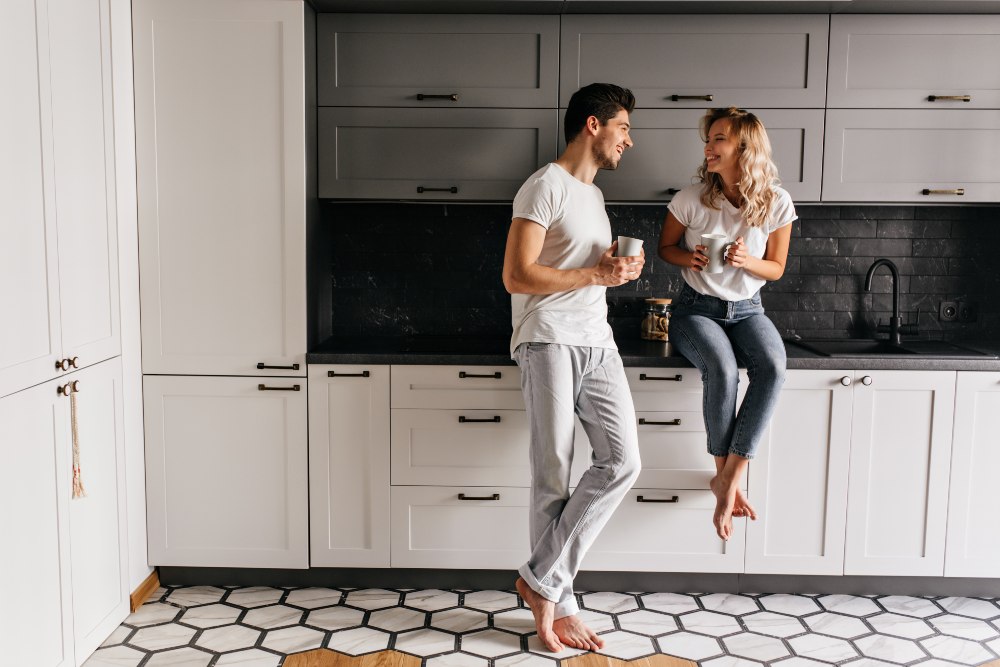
x,y
543,610
742,506
725,500
573,632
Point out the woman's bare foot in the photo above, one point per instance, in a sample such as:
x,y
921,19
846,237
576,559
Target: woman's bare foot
x,y
725,500
573,632
543,610
742,506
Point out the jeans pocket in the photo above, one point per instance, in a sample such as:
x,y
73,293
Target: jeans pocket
x,y
537,346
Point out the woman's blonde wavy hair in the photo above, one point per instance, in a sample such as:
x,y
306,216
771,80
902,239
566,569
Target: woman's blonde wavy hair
x,y
758,173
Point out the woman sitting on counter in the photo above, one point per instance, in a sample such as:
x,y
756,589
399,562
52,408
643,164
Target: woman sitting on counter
x,y
737,223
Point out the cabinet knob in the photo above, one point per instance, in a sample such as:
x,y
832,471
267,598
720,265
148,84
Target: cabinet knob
x,y
62,364
846,381
72,362
866,380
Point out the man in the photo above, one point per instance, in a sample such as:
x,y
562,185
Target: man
x,y
558,265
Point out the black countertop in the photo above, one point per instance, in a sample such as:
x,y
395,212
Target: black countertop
x,y
466,351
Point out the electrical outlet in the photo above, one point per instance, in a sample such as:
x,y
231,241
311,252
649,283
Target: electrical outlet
x,y
948,311
968,311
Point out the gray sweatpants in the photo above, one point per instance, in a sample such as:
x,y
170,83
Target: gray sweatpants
x,y
558,382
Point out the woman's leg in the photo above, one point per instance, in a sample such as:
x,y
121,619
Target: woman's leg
x,y
758,346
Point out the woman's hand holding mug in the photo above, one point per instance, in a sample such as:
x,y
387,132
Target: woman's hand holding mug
x,y
736,254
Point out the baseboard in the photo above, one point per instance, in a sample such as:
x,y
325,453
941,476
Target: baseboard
x,y
144,590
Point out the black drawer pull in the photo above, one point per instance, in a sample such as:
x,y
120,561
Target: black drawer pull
x,y
678,98
491,376
643,499
950,98
335,374
264,387
672,422
956,191
262,366
672,191
453,190
676,378
495,419
495,496
452,97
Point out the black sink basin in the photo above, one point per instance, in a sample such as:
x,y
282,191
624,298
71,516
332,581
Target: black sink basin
x,y
867,347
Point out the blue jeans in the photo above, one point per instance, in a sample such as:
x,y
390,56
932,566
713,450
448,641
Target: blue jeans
x,y
716,336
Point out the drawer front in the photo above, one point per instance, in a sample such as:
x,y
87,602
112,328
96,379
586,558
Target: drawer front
x,y
673,451
657,389
457,387
432,527
676,536
435,61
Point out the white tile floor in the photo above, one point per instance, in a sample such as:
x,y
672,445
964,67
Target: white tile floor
x,y
199,626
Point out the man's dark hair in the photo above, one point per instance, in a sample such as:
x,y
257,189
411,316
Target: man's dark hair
x,y
601,100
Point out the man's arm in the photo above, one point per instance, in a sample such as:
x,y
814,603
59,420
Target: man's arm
x,y
522,274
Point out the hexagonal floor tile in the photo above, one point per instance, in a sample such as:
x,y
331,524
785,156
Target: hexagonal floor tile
x,y
162,636
647,622
431,600
735,605
849,605
292,640
372,598
994,644
457,660
335,618
152,613
829,623
358,641
982,609
119,635
796,605
116,656
892,649
180,657
597,621
797,661
626,645
314,598
518,621
755,647
397,619
775,625
254,596
228,638
966,628
909,606
687,645
962,651
491,643
614,603
526,660
210,615
192,596
425,642
819,647
670,603
709,623
250,658
730,661
906,627
490,600
274,616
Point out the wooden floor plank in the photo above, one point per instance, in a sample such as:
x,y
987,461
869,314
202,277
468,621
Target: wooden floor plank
x,y
323,657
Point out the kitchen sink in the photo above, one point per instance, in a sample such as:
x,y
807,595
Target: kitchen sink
x,y
869,347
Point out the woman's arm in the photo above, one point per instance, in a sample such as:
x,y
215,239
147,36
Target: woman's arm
x,y
772,265
672,252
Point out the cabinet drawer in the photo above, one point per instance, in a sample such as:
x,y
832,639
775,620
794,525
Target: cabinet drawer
x,y
432,527
457,387
674,536
646,174
657,389
432,153
431,61
672,447
912,155
754,61
904,61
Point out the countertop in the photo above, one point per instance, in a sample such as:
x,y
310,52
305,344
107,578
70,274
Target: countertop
x,y
459,351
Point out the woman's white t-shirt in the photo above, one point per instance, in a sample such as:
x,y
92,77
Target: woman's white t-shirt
x,y
732,284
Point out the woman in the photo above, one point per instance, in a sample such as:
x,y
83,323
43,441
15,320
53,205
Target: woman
x,y
718,321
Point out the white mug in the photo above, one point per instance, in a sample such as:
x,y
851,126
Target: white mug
x,y
716,246
628,247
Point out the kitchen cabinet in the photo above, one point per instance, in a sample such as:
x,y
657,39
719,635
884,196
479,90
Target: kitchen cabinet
x,y
349,466
226,471
221,155
450,154
799,478
753,61
668,150
380,60
900,454
913,62
911,155
973,545
58,235
66,582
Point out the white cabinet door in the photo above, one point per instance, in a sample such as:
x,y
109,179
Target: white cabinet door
x,y
798,480
911,155
693,61
973,524
378,60
349,466
462,387
914,61
900,453
226,471
36,626
221,162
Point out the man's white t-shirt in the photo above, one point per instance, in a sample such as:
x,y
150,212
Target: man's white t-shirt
x,y
577,233
733,284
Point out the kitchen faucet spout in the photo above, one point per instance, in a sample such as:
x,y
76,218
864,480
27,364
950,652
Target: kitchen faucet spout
x,y
894,321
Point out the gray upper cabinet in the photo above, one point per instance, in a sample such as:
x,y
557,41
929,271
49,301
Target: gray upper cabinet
x,y
437,60
689,61
945,62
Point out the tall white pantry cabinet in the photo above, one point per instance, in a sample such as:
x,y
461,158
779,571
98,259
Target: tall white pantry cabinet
x,y
221,152
64,574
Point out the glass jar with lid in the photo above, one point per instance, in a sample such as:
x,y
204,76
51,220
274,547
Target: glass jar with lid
x,y
656,320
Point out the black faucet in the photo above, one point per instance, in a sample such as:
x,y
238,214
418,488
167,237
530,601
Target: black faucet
x,y
895,323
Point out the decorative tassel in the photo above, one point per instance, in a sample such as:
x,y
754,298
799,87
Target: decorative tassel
x,y
78,491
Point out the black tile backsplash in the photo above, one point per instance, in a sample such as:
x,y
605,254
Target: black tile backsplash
x,y
434,269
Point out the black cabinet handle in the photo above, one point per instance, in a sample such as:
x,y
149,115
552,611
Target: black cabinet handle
x,y
672,422
679,98
672,191
335,374
262,366
264,387
453,190
643,499
452,97
495,496
465,420
676,378
955,191
949,98
491,376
